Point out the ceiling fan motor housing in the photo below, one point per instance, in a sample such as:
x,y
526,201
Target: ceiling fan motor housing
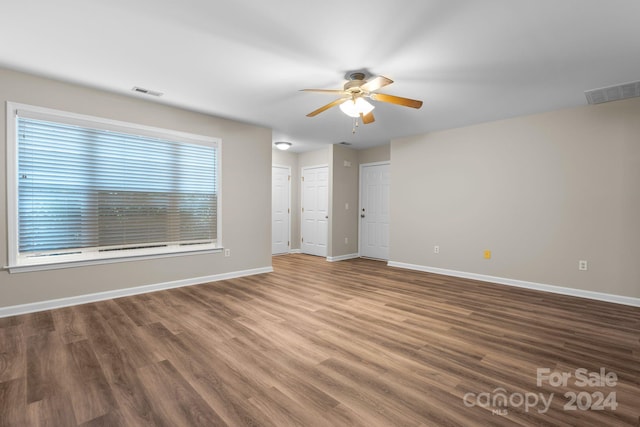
x,y
353,86
356,80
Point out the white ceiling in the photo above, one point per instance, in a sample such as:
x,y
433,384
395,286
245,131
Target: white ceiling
x,y
469,61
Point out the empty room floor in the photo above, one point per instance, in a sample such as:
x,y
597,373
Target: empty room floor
x,y
351,343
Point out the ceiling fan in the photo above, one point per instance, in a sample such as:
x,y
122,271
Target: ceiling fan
x,y
352,97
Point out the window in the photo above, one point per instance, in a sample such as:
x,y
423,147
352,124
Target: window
x,y
83,188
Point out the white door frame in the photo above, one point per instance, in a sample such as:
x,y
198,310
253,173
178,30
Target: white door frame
x,y
288,168
302,169
362,166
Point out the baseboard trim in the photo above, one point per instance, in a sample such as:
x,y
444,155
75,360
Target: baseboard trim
x,y
600,296
118,293
291,251
342,257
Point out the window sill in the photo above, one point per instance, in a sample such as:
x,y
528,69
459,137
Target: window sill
x,y
76,261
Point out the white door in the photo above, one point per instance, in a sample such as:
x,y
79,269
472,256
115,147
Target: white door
x,y
375,182
315,210
280,209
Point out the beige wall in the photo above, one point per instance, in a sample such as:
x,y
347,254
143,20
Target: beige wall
x,y
343,221
289,159
315,158
381,153
541,192
246,194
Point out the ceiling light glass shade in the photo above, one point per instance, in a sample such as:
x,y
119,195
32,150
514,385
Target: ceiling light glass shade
x,y
282,145
356,107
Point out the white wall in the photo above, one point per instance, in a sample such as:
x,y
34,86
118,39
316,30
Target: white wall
x,y
246,194
541,192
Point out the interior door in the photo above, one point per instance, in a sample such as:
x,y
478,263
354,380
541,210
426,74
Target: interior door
x,y
315,210
280,209
375,184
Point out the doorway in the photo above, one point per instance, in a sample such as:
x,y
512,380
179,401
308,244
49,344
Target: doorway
x,y
315,210
280,209
375,185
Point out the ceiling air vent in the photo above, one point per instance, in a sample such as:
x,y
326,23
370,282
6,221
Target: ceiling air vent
x,y
146,91
613,93
345,143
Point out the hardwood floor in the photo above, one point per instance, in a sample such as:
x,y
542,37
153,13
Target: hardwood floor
x,y
352,343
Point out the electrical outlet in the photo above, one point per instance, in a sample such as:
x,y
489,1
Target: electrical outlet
x,y
346,240
346,206
227,252
436,249
582,265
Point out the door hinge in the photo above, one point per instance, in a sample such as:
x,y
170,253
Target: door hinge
x,y
303,240
303,179
288,243
302,209
289,178
288,210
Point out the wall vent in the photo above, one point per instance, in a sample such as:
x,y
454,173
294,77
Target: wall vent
x,y
613,93
146,91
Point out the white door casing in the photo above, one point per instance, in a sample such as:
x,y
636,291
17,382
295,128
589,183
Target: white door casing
x,y
315,210
280,209
375,185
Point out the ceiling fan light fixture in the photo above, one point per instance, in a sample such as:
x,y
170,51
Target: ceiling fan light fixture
x,y
283,145
356,107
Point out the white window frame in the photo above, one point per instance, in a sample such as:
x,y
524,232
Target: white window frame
x,y
89,257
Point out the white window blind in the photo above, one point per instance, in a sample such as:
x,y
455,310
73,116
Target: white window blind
x,y
82,189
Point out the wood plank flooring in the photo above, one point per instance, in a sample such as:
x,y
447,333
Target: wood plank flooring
x,y
351,343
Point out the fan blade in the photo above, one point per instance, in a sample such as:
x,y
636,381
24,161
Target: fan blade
x,y
375,84
368,118
413,103
326,107
322,90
